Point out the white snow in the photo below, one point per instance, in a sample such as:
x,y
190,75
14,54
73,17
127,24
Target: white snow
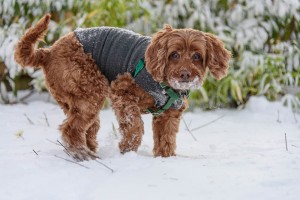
x,y
194,84
240,156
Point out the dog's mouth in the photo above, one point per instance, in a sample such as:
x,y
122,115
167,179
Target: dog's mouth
x,y
186,85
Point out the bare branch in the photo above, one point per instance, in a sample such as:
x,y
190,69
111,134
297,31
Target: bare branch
x,y
22,100
112,171
67,151
188,129
46,119
53,142
29,120
35,152
69,154
71,161
114,131
190,123
278,120
27,96
286,146
208,123
295,117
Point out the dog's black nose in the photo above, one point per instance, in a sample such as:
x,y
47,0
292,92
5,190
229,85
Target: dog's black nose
x,y
185,75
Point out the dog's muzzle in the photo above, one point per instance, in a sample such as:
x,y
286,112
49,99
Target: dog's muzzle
x,y
186,85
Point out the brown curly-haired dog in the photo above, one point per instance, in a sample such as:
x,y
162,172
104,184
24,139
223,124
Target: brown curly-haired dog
x,y
176,57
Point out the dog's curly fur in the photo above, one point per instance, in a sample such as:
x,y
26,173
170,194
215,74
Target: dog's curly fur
x,y
178,57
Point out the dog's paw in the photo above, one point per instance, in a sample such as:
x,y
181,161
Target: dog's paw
x,y
164,153
82,153
125,147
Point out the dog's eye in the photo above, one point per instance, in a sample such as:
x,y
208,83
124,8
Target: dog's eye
x,y
175,55
196,57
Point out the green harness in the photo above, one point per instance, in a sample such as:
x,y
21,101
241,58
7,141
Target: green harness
x,y
173,96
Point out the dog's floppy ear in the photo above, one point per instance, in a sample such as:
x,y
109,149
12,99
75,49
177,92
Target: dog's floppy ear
x,y
156,54
217,57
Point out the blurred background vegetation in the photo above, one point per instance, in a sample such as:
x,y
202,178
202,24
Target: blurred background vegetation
x,y
264,37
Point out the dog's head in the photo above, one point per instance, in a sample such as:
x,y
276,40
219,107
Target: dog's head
x,y
180,57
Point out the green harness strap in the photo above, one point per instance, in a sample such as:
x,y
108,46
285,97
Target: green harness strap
x,y
139,67
173,96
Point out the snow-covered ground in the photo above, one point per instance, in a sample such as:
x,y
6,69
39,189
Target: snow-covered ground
x,y
240,156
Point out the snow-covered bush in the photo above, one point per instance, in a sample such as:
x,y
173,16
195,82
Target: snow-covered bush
x,y
262,35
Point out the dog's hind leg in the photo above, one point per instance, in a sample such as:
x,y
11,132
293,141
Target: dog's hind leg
x,y
91,135
64,106
80,119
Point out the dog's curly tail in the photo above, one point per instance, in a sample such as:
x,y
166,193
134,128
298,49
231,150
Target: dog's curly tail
x,y
25,53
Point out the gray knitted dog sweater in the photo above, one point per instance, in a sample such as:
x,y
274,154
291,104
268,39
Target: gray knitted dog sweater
x,y
117,51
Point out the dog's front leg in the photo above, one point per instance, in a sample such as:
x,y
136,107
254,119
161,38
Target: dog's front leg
x,y
165,128
125,105
131,127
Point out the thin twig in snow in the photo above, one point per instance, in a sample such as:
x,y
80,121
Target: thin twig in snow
x,y
208,123
114,131
27,95
190,123
35,152
286,146
69,154
46,119
67,151
295,117
278,120
188,129
53,142
29,120
112,171
21,100
71,161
